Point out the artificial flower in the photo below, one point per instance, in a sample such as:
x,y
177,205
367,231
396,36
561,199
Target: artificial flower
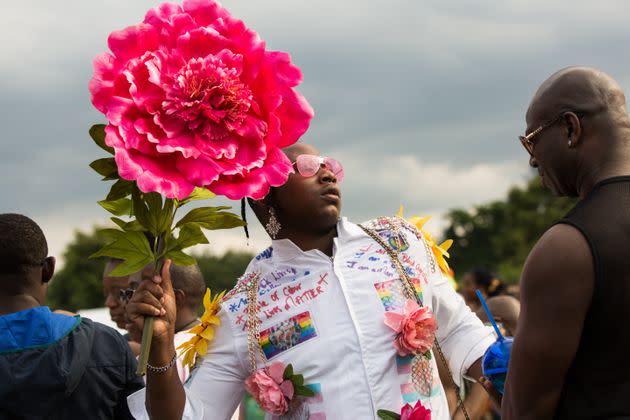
x,y
440,251
417,412
415,329
408,412
194,99
204,332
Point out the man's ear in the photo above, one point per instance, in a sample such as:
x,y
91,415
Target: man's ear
x,y
48,269
180,298
573,128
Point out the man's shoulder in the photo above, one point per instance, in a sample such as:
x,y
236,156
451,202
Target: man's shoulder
x,y
106,345
560,257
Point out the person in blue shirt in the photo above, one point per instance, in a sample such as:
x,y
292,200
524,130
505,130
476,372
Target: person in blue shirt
x,y
53,365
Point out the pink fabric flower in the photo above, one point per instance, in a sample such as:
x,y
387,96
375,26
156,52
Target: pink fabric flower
x,y
270,390
417,412
416,328
193,98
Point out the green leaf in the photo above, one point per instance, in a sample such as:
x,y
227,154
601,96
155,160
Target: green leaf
x,y
211,218
105,167
120,222
427,354
298,380
165,216
304,391
128,226
132,247
189,235
387,415
97,132
131,265
111,234
288,371
180,258
121,207
121,189
197,194
140,209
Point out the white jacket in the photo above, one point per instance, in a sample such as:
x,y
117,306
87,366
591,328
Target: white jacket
x,y
325,316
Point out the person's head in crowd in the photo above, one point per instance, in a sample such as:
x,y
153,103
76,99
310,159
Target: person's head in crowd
x,y
25,267
309,203
505,311
483,280
189,288
577,130
113,287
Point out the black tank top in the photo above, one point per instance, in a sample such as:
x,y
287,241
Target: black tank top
x,y
597,384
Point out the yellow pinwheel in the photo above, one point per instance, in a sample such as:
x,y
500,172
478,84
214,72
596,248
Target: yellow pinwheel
x,y
204,332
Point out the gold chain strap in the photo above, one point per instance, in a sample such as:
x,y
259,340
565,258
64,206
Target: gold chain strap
x,y
253,323
410,291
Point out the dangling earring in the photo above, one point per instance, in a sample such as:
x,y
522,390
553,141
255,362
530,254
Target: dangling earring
x,y
570,143
273,225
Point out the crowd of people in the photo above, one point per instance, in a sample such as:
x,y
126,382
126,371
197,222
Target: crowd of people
x,y
361,312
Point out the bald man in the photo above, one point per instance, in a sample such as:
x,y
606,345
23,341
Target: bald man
x,y
570,357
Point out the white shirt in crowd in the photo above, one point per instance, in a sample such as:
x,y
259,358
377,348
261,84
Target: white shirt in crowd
x,y
325,316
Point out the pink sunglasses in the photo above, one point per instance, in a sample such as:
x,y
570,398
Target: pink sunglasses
x,y
308,165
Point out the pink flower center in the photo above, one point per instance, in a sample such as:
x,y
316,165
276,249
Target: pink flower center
x,y
209,97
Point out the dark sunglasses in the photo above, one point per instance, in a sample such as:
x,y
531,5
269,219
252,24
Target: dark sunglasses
x,y
125,295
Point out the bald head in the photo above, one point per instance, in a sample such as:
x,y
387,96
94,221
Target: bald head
x,y
580,89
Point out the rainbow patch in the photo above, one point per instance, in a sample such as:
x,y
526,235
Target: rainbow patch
x,y
391,293
287,334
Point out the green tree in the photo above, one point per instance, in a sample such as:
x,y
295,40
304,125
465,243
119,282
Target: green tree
x,y
499,235
78,285
221,273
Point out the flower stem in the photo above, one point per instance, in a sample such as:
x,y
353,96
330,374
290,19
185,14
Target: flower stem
x,y
147,331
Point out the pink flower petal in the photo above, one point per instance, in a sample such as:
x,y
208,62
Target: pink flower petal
x,y
410,306
276,371
133,41
287,389
394,320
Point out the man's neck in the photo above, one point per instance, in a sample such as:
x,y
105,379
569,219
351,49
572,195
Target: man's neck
x,y
308,240
17,303
617,166
186,321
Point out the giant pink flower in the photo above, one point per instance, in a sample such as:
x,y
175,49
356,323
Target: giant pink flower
x,y
270,390
416,328
193,98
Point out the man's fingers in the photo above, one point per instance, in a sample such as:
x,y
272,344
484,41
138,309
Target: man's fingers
x,y
492,391
167,285
136,309
151,287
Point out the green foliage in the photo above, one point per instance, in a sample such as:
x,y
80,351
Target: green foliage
x,y
97,132
387,415
132,247
78,284
500,234
221,273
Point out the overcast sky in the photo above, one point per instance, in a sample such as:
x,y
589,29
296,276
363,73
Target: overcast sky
x,y
421,100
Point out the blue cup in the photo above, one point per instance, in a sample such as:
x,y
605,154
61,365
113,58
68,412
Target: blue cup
x,y
495,362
